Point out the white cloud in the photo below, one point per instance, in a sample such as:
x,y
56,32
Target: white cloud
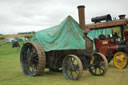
x,y
32,15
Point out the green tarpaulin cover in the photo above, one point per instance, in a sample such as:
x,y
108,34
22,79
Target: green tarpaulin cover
x,y
66,35
95,33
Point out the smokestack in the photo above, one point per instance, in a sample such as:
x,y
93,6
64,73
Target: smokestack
x,y
122,16
81,16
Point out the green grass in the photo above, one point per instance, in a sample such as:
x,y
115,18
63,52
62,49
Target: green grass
x,y
11,73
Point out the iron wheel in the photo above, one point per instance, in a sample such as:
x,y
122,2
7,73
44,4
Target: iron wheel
x,y
72,67
99,65
32,59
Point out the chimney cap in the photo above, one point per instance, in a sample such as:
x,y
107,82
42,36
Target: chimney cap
x,y
81,6
122,16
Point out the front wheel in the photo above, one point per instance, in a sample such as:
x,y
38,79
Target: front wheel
x,y
72,67
99,65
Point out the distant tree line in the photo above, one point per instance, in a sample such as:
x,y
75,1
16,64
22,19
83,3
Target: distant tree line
x,y
27,32
29,37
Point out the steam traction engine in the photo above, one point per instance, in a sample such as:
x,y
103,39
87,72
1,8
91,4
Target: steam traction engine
x,y
113,45
34,58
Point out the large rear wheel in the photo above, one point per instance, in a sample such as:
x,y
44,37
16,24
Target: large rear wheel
x,y
72,67
32,59
120,60
99,65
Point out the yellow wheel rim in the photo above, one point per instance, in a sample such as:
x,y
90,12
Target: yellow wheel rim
x,y
120,60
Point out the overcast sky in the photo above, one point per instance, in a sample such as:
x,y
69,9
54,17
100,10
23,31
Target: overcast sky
x,y
34,15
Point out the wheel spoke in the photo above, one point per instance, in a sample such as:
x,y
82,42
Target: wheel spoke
x,y
73,59
32,69
95,70
100,71
76,71
70,60
71,75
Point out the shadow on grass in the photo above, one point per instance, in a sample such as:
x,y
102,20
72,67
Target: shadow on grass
x,y
111,66
50,73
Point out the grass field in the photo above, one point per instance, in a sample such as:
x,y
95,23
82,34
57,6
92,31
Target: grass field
x,y
11,73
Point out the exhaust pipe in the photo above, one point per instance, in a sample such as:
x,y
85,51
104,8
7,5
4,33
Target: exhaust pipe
x,y
81,16
88,41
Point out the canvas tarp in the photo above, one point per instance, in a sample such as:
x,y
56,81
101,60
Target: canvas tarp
x,y
95,33
66,35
